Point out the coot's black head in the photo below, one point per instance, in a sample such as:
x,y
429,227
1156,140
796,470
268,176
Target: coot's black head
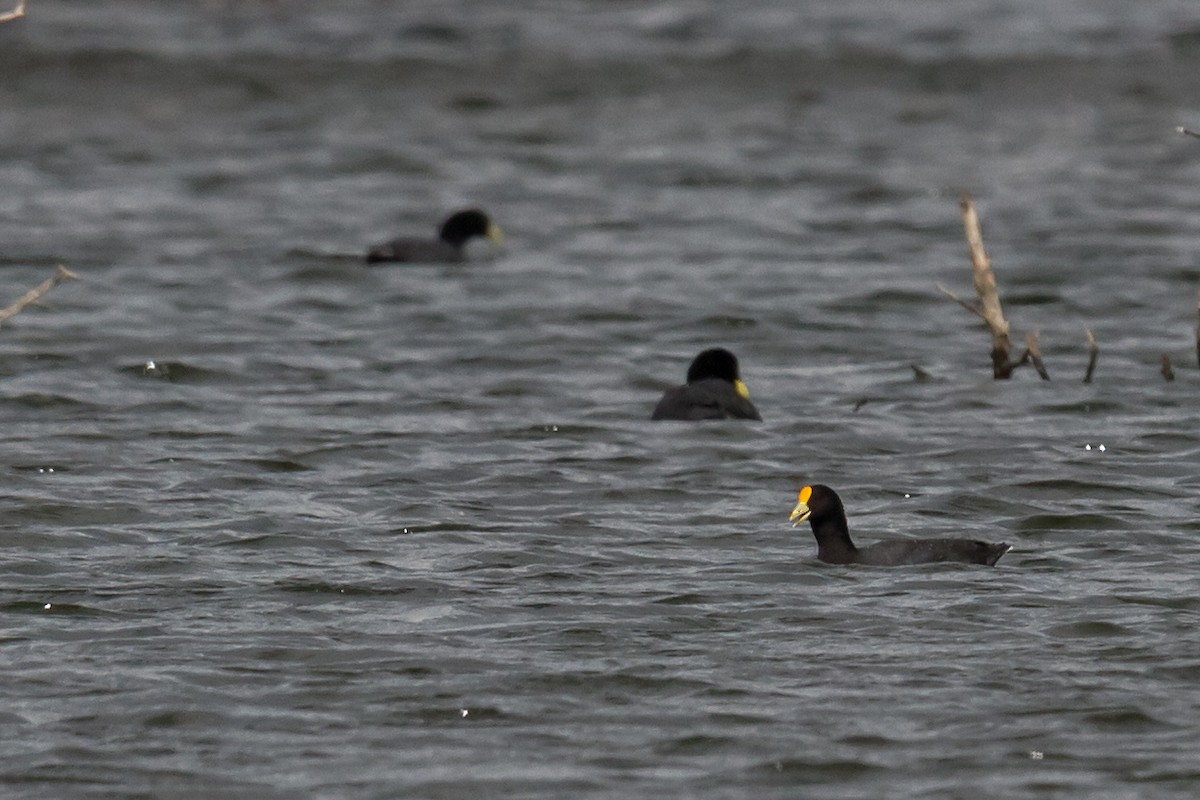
x,y
719,363
464,225
818,503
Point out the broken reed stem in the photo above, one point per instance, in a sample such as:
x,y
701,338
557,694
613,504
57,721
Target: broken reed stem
x,y
985,288
9,16
1093,354
1167,372
33,295
1035,355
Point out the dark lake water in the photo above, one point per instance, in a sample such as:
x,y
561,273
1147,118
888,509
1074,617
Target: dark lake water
x,y
277,524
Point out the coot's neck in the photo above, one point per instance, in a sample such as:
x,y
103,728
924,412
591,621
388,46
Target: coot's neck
x,y
833,538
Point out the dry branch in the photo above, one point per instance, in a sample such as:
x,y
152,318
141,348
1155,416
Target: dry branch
x,y
9,16
989,309
1167,372
33,295
1093,354
985,288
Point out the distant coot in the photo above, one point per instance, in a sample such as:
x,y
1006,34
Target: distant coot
x,y
449,247
714,390
823,509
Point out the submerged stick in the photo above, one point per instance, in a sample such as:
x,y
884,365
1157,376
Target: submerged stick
x,y
1093,354
1167,372
1035,355
9,16
33,295
985,288
1187,132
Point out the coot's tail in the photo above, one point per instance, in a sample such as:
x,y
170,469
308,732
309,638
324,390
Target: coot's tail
x,y
994,551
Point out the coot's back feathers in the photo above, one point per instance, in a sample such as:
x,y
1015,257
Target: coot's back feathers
x,y
714,390
931,551
448,248
823,509
411,250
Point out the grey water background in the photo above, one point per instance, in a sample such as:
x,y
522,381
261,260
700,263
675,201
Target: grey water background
x,y
407,532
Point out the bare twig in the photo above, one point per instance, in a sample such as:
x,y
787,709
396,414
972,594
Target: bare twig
x,y
1167,372
33,295
9,16
1093,354
1035,355
974,310
1187,132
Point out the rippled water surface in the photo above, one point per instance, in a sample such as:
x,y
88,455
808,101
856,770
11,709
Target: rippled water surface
x,y
277,524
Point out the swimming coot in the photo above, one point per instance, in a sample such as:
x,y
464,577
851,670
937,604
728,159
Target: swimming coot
x,y
823,509
448,248
714,390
